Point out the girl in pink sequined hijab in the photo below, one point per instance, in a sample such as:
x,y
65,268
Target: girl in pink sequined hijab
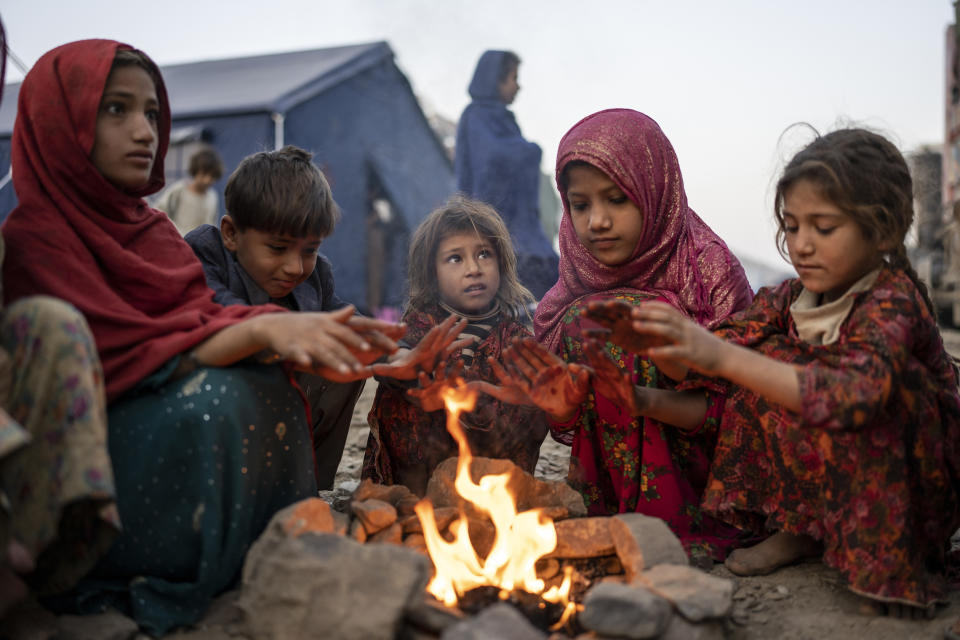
x,y
628,236
676,257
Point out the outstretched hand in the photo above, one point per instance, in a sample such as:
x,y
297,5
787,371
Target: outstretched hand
x,y
609,380
684,342
435,346
429,395
531,374
336,344
615,316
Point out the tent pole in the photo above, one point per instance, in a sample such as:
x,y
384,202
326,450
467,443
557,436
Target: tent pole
x,y
277,130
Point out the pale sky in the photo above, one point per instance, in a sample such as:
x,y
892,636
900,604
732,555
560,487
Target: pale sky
x,y
723,79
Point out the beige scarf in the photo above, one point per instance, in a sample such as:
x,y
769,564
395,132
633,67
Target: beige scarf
x,y
820,324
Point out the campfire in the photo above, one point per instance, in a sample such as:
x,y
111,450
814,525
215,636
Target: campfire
x,y
520,540
489,548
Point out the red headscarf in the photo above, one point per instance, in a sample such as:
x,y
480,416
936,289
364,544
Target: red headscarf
x,y
77,237
678,257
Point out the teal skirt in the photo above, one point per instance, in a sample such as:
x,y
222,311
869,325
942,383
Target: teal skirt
x,y
201,464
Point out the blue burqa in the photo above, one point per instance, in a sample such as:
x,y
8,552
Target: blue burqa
x,y
495,164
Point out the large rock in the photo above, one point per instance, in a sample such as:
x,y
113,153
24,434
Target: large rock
x,y
624,611
696,595
558,497
583,538
328,586
643,542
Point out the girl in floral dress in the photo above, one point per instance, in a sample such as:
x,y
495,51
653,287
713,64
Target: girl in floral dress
x,y
841,432
628,235
462,264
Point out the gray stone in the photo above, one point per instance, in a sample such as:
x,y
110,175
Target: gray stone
x,y
498,622
619,610
328,586
696,595
583,538
643,542
374,514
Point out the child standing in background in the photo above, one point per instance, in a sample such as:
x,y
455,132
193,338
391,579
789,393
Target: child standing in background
x,y
279,210
461,263
842,431
193,202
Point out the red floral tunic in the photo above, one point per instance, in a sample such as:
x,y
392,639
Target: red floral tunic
x,y
620,463
403,436
870,465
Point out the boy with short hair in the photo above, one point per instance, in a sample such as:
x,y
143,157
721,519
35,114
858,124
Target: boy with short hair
x,y
279,210
191,202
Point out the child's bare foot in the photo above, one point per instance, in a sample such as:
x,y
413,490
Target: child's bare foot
x,y
778,550
12,589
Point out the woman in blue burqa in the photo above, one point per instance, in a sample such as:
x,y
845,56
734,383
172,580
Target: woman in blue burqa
x,y
495,164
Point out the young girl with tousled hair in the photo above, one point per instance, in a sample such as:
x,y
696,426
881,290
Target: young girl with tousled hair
x,y
628,235
205,442
461,265
842,428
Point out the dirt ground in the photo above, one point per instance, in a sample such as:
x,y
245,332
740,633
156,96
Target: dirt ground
x,y
803,602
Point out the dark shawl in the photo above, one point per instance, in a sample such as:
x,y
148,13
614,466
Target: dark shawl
x,y
495,164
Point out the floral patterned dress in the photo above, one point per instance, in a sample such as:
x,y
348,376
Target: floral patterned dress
x,y
403,436
869,467
621,463
57,493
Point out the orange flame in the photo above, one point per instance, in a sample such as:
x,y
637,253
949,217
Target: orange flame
x,y
521,538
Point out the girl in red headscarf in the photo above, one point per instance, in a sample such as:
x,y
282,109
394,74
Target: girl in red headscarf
x,y
628,235
205,443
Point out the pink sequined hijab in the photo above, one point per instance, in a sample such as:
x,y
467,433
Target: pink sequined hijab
x,y
678,258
